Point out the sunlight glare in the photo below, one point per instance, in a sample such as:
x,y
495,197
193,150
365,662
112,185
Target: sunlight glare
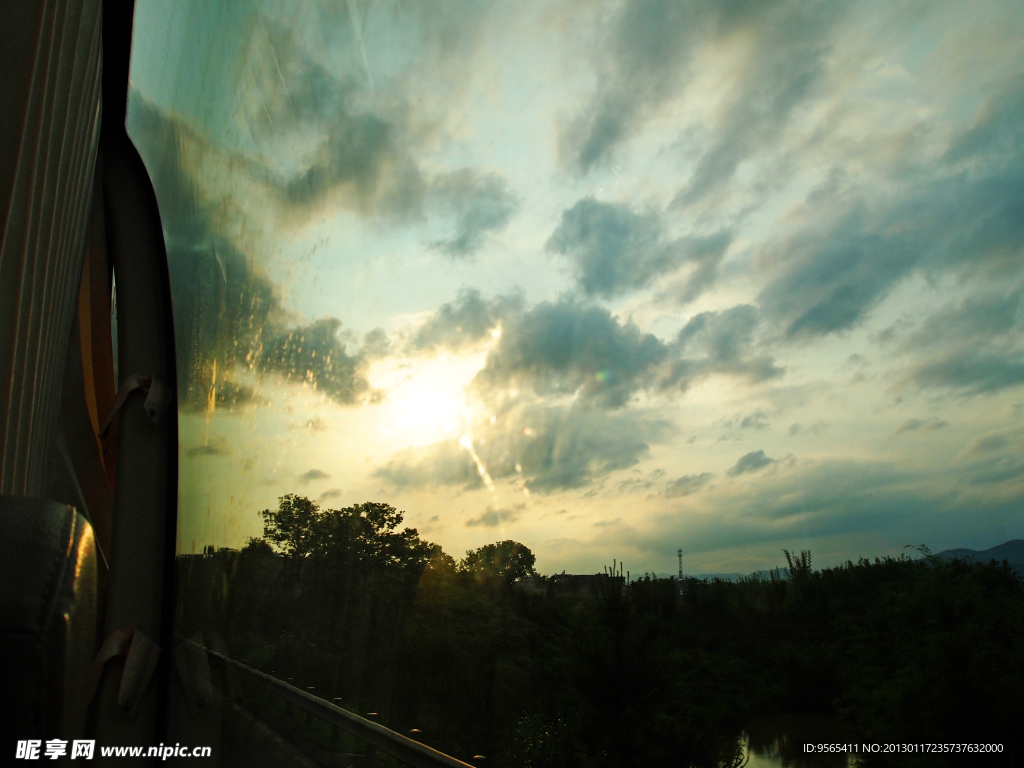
x,y
425,400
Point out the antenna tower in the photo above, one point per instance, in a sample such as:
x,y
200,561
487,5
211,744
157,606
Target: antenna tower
x,y
680,553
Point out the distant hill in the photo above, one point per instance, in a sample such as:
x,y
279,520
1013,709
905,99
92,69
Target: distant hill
x,y
1012,552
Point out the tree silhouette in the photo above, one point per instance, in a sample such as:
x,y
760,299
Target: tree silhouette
x,y
507,561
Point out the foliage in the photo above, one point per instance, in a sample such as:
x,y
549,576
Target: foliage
x,y
507,561
376,619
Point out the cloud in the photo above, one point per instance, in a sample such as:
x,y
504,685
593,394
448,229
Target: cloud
x,y
983,319
995,457
222,303
549,447
971,372
315,354
998,130
480,203
607,523
912,425
311,475
615,250
324,131
755,421
231,394
816,501
688,484
995,441
640,66
725,343
214,445
565,348
750,462
962,218
790,43
334,493
334,136
641,482
1005,470
228,313
974,346
650,59
465,322
376,344
815,428
495,517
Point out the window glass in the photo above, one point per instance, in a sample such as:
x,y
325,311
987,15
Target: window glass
x,y
476,300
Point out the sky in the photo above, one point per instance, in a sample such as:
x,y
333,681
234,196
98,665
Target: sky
x,y
612,279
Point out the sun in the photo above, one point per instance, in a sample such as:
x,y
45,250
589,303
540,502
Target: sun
x,y
425,399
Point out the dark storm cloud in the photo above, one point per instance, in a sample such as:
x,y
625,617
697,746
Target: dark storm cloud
x,y
227,313
968,219
688,484
750,462
465,321
480,203
495,517
550,448
614,250
311,475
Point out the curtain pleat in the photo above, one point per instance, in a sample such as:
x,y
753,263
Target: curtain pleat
x,y
49,133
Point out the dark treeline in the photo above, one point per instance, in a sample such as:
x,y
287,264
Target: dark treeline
x,y
902,650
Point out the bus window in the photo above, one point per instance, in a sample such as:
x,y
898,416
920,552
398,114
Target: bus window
x,y
511,336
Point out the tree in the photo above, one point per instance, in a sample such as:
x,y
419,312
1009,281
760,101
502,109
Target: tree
x,y
366,531
506,560
293,527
